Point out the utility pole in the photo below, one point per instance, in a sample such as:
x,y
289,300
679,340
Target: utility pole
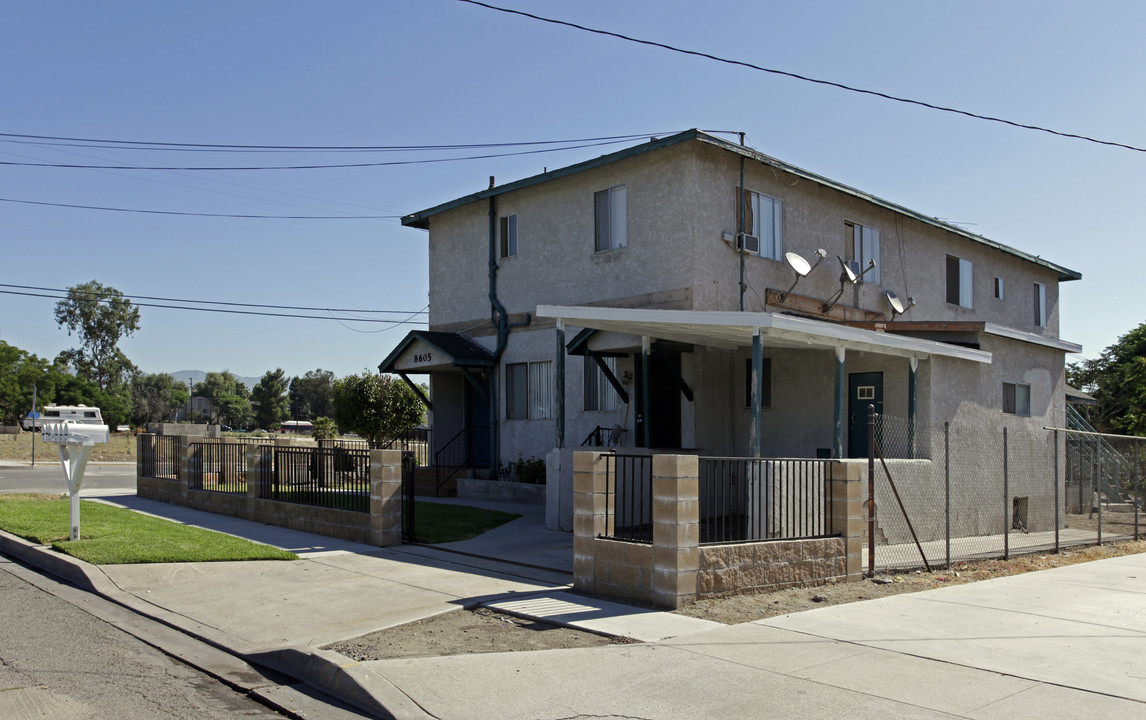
x,y
34,431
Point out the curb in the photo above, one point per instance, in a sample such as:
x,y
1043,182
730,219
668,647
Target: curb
x,y
321,670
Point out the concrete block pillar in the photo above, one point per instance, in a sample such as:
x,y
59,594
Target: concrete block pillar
x,y
589,516
676,529
254,475
183,465
385,497
846,488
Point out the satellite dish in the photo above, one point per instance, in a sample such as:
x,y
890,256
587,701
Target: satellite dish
x,y
848,274
897,306
896,303
801,267
798,263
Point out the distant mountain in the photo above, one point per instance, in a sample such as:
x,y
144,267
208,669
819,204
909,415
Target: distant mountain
x,y
197,376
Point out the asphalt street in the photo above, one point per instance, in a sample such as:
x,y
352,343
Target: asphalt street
x,y
48,477
58,661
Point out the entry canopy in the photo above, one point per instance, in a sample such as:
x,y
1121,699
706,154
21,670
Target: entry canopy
x,y
423,351
731,330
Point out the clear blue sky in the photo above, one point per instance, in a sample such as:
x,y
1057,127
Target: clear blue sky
x,y
358,73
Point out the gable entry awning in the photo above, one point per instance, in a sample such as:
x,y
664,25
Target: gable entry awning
x,y
423,351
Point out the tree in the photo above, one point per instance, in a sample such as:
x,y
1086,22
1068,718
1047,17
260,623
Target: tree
x,y
325,429
18,370
377,407
229,396
269,399
1117,380
99,315
310,395
156,397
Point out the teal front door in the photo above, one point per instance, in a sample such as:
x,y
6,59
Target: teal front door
x,y
864,389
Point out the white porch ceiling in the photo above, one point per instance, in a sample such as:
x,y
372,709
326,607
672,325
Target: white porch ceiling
x,y
733,330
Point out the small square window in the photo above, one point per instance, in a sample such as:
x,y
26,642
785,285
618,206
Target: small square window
x,y
1017,399
508,236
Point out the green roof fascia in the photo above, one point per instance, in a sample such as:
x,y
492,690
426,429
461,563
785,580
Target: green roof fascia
x,y
387,365
422,219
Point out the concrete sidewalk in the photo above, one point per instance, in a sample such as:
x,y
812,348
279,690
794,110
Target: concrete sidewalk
x,y
1064,643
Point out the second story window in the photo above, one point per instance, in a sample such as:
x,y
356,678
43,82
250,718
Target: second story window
x,y
998,288
864,246
960,282
1040,305
763,224
509,236
610,209
529,391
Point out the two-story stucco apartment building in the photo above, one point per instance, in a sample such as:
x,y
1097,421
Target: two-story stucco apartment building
x,y
633,299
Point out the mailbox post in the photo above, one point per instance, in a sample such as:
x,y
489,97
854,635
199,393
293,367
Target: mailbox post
x,y
76,441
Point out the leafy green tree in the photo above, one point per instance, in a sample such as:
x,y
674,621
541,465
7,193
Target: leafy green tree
x,y
1117,380
18,370
310,395
114,404
229,396
100,316
269,399
156,397
377,407
325,429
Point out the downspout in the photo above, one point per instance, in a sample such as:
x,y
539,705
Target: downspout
x,y
499,317
740,233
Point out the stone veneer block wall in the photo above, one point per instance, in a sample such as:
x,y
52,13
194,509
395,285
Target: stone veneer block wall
x,y
674,570
381,526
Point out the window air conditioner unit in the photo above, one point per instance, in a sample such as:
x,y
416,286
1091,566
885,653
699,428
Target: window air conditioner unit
x,y
751,243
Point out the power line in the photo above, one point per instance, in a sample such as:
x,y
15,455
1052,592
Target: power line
x,y
805,78
233,312
324,166
215,302
210,147
195,214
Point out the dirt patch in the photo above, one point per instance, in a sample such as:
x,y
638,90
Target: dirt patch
x,y
19,447
462,632
745,608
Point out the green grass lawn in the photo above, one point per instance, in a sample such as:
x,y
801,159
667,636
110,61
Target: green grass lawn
x,y
438,523
115,536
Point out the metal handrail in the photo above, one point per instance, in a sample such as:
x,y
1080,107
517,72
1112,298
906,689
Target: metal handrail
x,y
455,468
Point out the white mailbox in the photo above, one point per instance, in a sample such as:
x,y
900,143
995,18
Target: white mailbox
x,y
71,431
76,440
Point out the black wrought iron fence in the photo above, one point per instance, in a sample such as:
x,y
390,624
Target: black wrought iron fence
x,y
160,461
218,467
414,440
629,497
327,477
749,499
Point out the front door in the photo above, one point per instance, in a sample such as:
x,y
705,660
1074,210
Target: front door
x,y
664,401
477,428
864,389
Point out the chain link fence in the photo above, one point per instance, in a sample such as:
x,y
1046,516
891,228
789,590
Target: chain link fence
x,y
966,491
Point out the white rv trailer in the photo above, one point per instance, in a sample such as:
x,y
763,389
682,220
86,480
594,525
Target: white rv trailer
x,y
57,413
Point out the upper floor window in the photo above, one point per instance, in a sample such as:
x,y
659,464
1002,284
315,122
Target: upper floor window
x,y
763,224
599,394
529,390
1040,305
509,236
960,275
864,244
765,384
998,288
1017,399
611,218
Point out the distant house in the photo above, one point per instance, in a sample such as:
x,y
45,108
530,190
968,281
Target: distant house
x,y
630,301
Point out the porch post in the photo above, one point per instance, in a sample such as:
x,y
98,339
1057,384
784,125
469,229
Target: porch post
x,y
646,345
757,426
912,389
559,368
841,408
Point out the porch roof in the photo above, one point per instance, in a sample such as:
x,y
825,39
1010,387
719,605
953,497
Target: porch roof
x,y
733,330
422,351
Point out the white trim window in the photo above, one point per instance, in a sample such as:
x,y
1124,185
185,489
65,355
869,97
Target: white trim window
x,y
1017,399
509,235
1040,306
529,391
864,244
610,210
763,224
960,282
599,393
